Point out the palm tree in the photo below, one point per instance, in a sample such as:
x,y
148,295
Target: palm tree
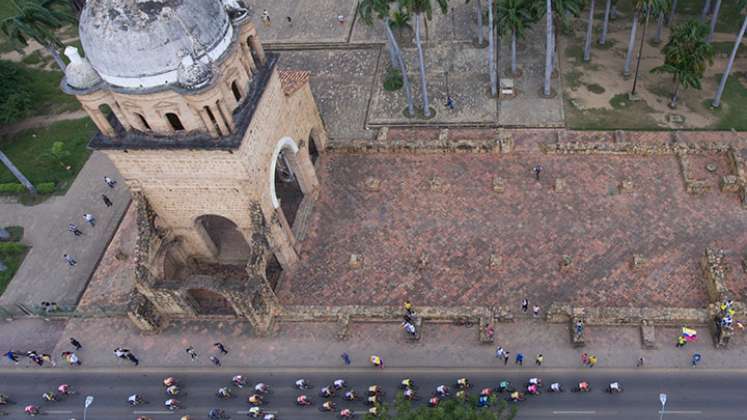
x,y
418,8
546,91
478,3
491,51
514,16
631,41
686,56
706,9
722,85
587,43
672,11
557,13
714,19
603,36
651,7
38,20
366,11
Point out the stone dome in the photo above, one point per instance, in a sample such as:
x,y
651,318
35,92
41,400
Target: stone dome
x,y
140,43
79,74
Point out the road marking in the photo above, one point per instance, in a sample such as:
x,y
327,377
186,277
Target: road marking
x,y
153,412
574,412
680,412
58,411
248,412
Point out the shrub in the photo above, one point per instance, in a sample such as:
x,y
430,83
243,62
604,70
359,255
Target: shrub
x,y
393,80
45,188
16,233
11,188
15,97
11,248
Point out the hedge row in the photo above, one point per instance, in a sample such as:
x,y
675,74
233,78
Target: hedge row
x,y
16,188
12,248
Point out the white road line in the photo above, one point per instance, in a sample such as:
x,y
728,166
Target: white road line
x,y
247,412
686,412
153,412
58,411
574,412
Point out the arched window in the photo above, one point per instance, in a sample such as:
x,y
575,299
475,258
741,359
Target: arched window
x,y
249,43
236,91
175,122
211,116
143,121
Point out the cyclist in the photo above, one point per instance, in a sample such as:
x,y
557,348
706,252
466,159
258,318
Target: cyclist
x,y
48,396
302,384
261,388
374,390
556,387
463,383
409,394
255,412
433,402
486,392
443,390
4,399
31,410
583,386
173,390
483,401
170,381
339,384
376,361
328,406
255,399
373,400
217,414
239,381
346,413
407,383
171,404
64,389
326,392
504,386
135,399
350,395
224,393
303,400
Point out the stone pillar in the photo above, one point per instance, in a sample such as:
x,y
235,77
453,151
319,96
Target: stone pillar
x,y
101,122
303,168
227,116
258,49
209,125
321,139
282,242
217,113
197,243
121,116
143,313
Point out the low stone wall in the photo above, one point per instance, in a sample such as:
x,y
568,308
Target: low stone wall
x,y
714,271
499,143
620,146
611,316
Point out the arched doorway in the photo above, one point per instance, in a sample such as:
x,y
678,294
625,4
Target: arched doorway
x,y
207,302
225,236
285,186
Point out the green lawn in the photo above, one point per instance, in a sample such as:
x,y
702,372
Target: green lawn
x,y
28,151
733,105
46,93
12,255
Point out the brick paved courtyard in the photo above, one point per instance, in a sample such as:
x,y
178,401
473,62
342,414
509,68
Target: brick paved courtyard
x,y
442,209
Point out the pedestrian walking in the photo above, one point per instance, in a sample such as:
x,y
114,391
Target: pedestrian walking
x,y
221,348
681,341
524,305
73,228
48,358
537,170
409,328
215,361
266,18
505,358
131,357
290,21
592,361
90,219
69,260
408,307
191,352
12,356
696,359
345,358
110,182
107,202
519,359
75,343
536,311
585,359
72,358
341,19
539,359
36,359
450,103
499,352
121,353
640,362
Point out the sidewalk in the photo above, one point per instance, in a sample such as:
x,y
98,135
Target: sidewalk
x,y
44,276
312,345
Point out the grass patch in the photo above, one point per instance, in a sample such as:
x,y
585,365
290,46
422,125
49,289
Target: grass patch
x,y
731,114
662,89
12,257
608,44
573,79
633,116
29,152
393,80
33,59
620,101
724,49
45,93
575,51
16,233
595,88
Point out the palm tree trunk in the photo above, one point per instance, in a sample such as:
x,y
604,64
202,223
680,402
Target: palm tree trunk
x,y
714,20
402,67
672,12
53,52
548,49
587,45
16,173
706,8
513,53
717,100
631,45
491,52
421,61
640,49
603,36
673,103
659,28
480,39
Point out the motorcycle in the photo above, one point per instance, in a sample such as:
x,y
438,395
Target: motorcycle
x,y
560,389
578,388
611,390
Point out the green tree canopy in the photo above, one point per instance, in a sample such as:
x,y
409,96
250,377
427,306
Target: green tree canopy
x,y
15,96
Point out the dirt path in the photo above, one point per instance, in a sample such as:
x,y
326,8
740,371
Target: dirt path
x,y
41,121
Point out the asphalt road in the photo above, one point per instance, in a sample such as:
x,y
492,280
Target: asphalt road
x,y
692,394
